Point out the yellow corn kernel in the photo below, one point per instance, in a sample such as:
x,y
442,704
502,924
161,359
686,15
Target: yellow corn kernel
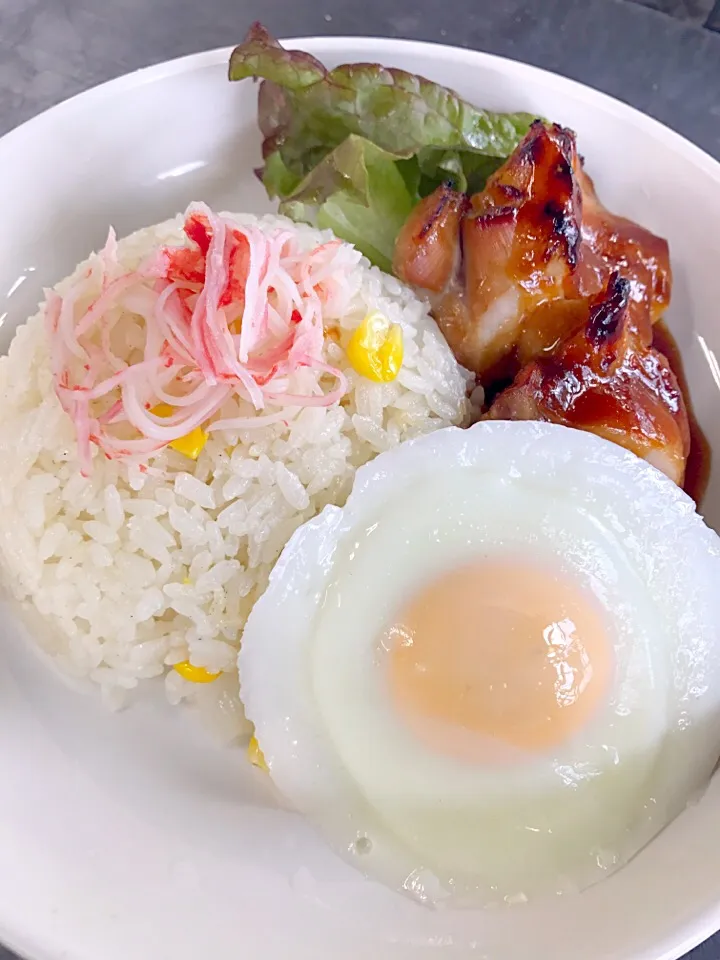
x,y
255,754
192,443
195,674
375,350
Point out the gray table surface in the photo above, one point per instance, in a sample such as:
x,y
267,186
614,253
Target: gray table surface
x,y
662,56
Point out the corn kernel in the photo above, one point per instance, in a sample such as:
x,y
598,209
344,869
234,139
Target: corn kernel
x,y
195,674
192,443
255,754
375,350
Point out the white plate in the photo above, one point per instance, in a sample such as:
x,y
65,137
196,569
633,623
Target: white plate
x,y
132,836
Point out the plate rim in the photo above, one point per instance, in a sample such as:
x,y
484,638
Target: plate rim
x,y
321,45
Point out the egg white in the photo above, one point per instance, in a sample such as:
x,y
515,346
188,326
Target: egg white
x,y
442,828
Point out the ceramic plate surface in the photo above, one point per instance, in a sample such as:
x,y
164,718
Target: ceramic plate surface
x,y
132,835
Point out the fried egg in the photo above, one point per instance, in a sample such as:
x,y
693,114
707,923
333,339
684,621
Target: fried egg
x,y
495,673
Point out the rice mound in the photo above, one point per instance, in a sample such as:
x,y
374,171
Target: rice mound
x,y
133,572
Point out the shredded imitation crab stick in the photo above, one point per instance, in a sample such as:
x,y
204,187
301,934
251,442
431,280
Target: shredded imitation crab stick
x,y
238,311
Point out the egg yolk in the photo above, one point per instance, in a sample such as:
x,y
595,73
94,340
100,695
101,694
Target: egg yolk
x,y
498,653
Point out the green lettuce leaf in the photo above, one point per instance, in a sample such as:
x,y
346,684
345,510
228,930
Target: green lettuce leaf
x,y
359,192
356,147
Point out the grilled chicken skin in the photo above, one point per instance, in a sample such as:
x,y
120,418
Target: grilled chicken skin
x,y
509,272
607,380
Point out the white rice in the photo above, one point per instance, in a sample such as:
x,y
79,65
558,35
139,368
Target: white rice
x,y
135,572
